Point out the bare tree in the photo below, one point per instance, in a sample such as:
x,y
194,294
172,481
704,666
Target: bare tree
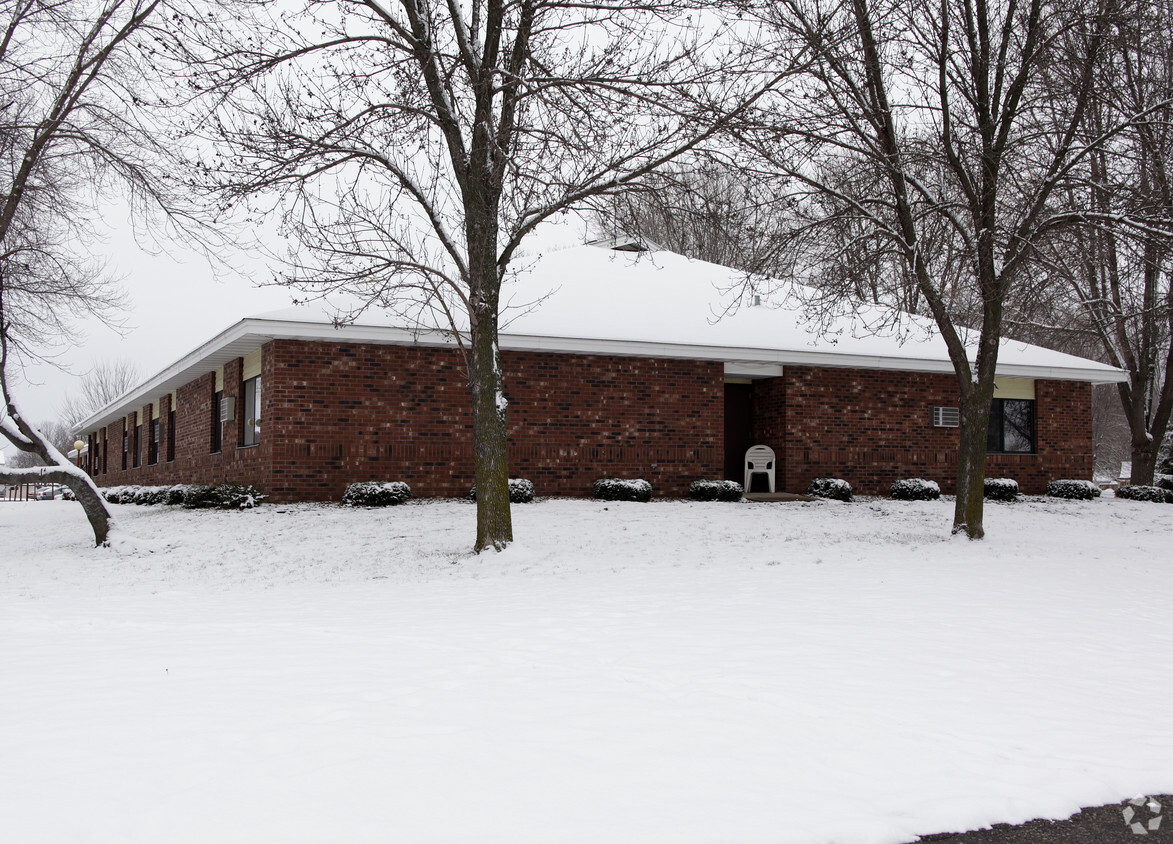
x,y
67,136
1116,272
924,142
710,210
105,382
59,434
411,147
1111,436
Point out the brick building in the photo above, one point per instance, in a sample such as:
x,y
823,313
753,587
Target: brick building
x,y
615,365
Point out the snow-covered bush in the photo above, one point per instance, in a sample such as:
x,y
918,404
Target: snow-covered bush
x,y
915,489
1140,492
376,494
67,494
521,491
1001,489
1165,482
705,490
1077,490
150,495
616,489
835,488
122,494
222,497
138,494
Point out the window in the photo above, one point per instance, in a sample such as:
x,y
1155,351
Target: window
x,y
125,445
252,412
217,425
138,446
171,436
1012,427
153,444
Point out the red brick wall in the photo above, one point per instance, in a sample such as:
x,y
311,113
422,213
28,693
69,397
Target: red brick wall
x,y
872,427
194,460
769,424
336,413
1063,438
344,413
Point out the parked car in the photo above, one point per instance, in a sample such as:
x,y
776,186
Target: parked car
x,y
48,493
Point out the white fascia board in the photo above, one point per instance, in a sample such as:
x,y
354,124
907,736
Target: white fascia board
x,y
1057,373
745,358
238,340
250,334
748,369
200,360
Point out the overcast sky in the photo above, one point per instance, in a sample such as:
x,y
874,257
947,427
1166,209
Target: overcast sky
x,y
176,303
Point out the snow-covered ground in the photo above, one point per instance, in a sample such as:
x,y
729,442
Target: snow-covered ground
x,y
665,672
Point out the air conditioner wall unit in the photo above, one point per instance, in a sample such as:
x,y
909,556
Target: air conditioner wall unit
x,y
227,408
946,417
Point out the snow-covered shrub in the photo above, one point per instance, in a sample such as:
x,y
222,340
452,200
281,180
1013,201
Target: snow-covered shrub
x,y
616,489
704,490
67,494
150,495
222,497
521,491
200,496
122,494
835,488
1165,482
174,494
915,489
1001,489
1140,492
376,494
1077,490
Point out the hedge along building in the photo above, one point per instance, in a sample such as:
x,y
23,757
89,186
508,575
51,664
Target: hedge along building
x,y
616,364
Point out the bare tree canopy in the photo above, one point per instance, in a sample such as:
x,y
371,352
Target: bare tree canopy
x,y
924,151
108,380
411,146
59,434
1115,274
68,135
710,210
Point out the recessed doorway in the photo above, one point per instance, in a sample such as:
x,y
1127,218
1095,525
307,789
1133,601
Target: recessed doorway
x,y
738,428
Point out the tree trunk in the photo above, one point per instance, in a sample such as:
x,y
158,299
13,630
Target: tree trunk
x,y
969,511
1144,458
57,469
83,489
490,441
1144,447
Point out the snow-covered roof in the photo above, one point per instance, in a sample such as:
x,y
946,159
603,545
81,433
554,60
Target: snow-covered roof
x,y
593,300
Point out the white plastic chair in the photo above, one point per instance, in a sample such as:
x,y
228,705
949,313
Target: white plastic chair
x,y
759,460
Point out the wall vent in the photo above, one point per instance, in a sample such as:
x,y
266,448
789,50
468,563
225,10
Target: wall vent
x,y
946,417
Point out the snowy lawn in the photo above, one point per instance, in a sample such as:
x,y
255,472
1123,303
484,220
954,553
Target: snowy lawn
x,y
665,672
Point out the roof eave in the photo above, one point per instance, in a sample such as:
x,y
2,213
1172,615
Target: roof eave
x,y
251,333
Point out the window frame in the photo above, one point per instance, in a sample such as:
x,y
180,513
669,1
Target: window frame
x,y
250,417
153,442
996,429
217,425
